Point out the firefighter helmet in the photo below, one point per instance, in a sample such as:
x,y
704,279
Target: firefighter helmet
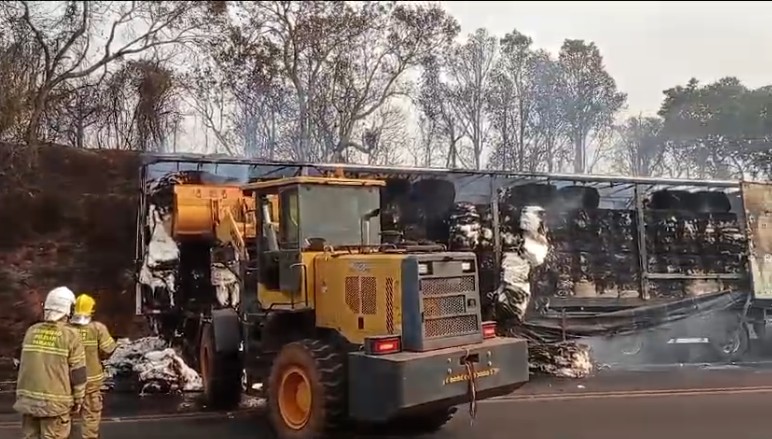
x,y
84,309
58,304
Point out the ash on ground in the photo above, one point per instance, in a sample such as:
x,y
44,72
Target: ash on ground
x,y
148,365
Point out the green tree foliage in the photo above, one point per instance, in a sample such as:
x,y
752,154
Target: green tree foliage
x,y
589,99
719,130
354,81
640,149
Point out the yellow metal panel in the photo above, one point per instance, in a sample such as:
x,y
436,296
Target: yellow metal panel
x,y
284,299
374,294
274,299
195,208
308,259
757,199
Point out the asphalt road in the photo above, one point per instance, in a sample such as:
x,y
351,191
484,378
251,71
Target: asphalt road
x,y
707,404
712,416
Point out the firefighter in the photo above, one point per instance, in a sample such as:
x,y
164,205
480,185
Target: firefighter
x,y
52,373
99,345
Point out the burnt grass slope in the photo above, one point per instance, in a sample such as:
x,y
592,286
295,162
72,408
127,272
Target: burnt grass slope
x,y
67,219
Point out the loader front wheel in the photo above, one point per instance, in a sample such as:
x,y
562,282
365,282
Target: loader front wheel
x,y
220,373
306,390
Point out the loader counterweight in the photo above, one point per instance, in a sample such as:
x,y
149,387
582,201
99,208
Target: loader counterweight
x,y
389,386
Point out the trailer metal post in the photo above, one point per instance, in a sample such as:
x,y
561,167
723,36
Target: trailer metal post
x,y
643,259
495,225
140,239
563,324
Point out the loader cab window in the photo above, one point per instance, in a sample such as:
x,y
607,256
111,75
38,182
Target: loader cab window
x,y
289,224
334,213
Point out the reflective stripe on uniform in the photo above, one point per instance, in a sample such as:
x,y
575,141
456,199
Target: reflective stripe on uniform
x,y
106,345
93,378
77,361
45,350
43,396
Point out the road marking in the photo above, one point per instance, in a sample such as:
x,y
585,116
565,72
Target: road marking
x,y
629,394
7,425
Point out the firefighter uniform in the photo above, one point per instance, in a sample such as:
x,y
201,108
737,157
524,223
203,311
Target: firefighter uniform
x,y
52,379
99,345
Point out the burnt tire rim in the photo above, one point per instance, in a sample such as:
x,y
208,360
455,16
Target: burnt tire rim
x,y
732,344
632,347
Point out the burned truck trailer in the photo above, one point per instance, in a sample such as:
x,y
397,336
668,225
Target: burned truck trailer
x,y
666,260
559,256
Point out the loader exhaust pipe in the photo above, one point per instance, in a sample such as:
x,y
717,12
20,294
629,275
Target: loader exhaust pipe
x,y
364,225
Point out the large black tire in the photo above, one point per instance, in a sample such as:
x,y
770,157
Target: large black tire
x,y
731,345
324,368
221,373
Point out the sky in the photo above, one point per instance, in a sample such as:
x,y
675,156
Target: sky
x,y
647,46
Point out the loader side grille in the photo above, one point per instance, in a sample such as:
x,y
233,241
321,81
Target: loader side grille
x,y
390,305
352,293
369,295
361,294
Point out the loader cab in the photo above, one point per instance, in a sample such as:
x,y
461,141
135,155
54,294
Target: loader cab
x,y
300,216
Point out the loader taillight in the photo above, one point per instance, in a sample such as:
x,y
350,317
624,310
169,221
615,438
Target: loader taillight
x,y
489,329
383,345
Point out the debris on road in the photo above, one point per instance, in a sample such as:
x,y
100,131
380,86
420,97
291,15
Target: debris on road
x,y
565,360
154,366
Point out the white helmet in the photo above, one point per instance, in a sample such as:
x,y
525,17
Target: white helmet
x,y
58,305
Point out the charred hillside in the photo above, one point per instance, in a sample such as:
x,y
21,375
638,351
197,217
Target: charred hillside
x,y
68,219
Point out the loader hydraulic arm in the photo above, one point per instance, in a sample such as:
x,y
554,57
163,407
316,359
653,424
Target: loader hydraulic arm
x,y
229,231
219,213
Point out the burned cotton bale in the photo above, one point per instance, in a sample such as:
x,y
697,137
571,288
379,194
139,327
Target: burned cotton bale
x,y
593,253
693,234
464,226
567,359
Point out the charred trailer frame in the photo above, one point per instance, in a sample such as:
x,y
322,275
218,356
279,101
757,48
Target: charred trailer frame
x,y
573,316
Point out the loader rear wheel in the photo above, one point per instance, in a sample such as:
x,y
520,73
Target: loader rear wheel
x,y
220,373
306,390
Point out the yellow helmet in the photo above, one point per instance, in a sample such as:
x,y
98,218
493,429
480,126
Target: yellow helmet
x,y
84,309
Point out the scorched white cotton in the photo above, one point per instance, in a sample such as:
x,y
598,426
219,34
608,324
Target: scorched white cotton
x,y
156,367
161,256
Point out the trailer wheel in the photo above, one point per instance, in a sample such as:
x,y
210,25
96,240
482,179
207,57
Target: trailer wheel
x,y
220,373
306,390
732,344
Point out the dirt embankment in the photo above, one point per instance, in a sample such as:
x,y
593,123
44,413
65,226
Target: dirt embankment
x,y
69,221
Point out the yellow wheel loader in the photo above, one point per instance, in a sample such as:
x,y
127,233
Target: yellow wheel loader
x,y
340,328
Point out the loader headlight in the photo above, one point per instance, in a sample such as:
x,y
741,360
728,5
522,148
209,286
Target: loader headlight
x,y
466,267
423,269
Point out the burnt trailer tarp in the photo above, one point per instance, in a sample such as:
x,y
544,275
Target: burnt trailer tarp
x,y
560,256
